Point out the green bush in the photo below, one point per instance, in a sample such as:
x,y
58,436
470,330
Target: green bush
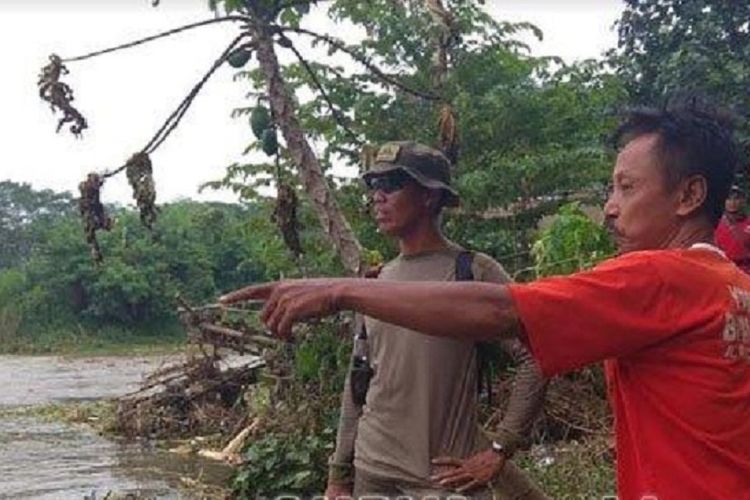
x,y
572,242
285,464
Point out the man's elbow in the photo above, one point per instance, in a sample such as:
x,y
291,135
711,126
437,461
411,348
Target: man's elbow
x,y
496,322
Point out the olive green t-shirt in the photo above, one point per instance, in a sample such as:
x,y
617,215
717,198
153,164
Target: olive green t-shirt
x,y
422,399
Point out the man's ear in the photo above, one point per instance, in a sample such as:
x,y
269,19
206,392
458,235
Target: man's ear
x,y
693,193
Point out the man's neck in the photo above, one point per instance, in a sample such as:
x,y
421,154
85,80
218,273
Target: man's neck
x,y
422,239
691,232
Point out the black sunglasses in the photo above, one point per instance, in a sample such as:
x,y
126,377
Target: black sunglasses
x,y
387,183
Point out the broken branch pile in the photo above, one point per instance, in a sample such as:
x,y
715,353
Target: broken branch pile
x,y
203,394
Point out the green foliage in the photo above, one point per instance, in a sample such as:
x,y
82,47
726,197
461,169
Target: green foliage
x,y
299,417
25,214
572,470
530,128
572,242
284,464
197,249
695,45
322,359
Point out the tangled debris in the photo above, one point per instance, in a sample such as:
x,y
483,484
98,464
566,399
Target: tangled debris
x,y
285,217
93,213
201,395
139,172
59,95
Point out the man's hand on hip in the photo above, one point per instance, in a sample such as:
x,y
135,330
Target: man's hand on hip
x,y
466,474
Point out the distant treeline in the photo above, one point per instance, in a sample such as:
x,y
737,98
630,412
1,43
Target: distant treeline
x,y
48,280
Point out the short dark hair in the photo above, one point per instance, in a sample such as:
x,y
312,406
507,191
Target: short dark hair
x,y
695,138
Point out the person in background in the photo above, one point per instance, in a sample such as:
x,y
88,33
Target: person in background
x,y
733,232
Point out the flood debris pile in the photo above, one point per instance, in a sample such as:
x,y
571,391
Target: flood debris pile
x,y
202,394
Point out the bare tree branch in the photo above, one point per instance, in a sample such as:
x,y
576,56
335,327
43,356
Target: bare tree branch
x,y
340,119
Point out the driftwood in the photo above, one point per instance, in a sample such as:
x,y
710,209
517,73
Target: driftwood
x,y
231,452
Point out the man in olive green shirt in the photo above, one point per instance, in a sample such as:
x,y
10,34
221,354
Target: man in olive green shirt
x,y
422,399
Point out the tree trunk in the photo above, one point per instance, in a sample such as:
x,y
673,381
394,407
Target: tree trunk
x,y
334,223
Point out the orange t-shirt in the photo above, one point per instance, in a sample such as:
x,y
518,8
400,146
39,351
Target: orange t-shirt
x,y
674,327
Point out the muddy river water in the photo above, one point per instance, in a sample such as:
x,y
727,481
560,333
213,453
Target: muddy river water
x,y
52,460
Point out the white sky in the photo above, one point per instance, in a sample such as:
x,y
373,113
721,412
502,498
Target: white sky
x,y
127,95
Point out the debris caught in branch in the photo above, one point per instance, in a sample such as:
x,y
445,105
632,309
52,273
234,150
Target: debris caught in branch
x,y
140,177
93,213
285,217
448,133
59,95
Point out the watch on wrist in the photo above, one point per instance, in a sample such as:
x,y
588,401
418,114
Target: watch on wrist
x,y
499,448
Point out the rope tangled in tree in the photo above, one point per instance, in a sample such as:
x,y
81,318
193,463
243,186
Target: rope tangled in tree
x,y
360,58
93,213
59,95
335,112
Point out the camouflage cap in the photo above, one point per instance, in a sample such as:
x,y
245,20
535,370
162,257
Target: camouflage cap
x,y
426,165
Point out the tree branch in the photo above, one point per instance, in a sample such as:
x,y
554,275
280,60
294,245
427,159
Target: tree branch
x,y
335,225
385,78
335,112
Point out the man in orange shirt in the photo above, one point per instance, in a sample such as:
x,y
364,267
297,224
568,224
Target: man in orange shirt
x,y
670,314
733,232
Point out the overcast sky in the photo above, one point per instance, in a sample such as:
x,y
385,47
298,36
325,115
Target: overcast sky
x,y
128,94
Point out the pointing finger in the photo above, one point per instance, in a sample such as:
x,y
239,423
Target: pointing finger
x,y
254,292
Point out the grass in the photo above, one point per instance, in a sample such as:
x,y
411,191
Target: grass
x,y
98,414
86,340
568,470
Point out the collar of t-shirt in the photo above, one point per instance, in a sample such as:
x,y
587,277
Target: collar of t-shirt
x,y
709,247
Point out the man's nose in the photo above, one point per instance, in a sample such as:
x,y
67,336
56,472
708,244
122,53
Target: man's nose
x,y
611,209
378,196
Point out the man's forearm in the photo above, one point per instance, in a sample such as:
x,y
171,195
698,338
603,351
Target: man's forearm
x,y
525,401
341,464
470,311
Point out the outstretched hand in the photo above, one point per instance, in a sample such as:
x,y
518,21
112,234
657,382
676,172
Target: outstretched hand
x,y
289,302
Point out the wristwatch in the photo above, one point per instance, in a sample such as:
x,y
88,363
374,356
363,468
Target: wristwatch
x,y
499,448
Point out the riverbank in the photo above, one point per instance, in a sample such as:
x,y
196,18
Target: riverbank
x,y
85,340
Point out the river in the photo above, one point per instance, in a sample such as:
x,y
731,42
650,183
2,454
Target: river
x,y
44,459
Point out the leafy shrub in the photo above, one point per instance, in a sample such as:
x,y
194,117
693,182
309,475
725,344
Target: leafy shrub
x,y
571,243
285,464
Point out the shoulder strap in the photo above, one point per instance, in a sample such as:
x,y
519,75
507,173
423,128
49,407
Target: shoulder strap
x,y
464,264
465,272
